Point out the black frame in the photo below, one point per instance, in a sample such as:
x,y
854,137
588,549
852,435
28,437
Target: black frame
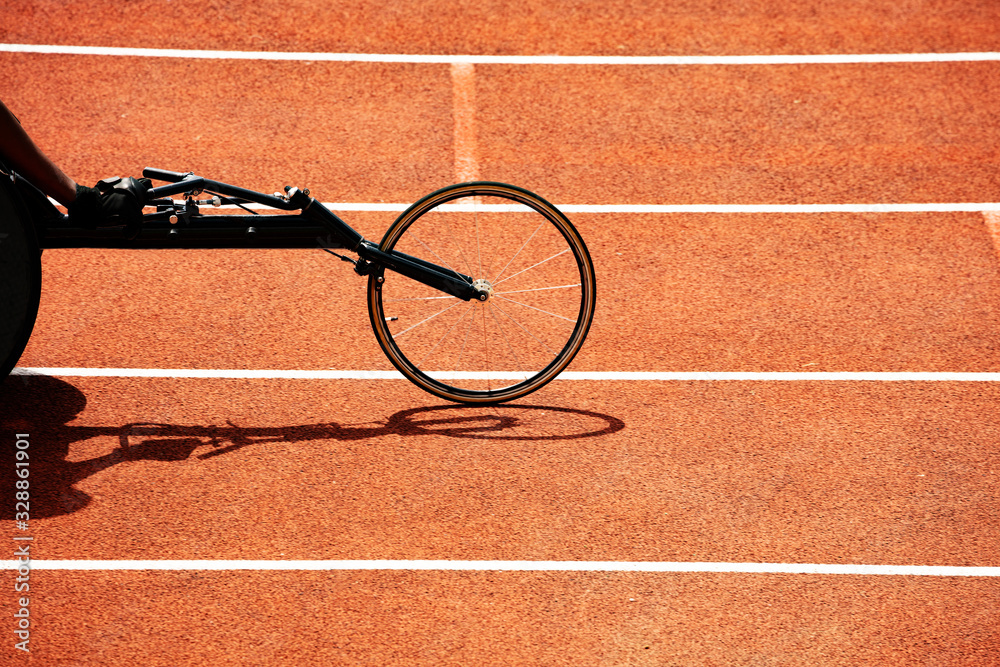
x,y
183,225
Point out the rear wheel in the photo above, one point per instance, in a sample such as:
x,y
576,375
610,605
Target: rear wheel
x,y
520,250
20,276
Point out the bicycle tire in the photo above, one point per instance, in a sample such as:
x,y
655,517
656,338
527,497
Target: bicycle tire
x,y
504,348
20,276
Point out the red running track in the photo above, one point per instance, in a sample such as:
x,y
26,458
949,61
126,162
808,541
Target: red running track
x,y
716,472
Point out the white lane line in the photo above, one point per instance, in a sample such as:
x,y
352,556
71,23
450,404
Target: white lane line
x,y
969,207
221,374
643,376
783,376
992,220
805,59
929,207
954,207
463,83
509,566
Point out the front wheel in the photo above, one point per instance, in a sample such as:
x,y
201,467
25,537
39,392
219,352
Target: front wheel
x,y
529,259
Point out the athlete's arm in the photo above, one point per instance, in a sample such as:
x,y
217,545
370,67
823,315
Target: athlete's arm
x,y
25,157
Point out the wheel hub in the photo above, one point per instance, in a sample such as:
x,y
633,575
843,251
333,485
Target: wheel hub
x,y
484,287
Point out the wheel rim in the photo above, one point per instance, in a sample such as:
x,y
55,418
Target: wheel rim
x,y
529,260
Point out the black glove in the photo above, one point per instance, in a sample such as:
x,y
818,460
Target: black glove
x,y
113,203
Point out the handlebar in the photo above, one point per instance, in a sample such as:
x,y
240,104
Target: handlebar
x,y
185,182
164,175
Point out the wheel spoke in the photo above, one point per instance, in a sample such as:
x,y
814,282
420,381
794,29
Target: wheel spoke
x,y
424,298
533,266
507,340
496,244
540,342
465,341
497,278
458,246
534,289
486,352
440,312
457,274
538,309
479,250
450,329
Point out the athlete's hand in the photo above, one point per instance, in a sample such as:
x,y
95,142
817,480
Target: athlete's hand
x,y
114,202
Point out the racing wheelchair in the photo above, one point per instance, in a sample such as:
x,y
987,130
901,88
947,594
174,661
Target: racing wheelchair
x,y
478,293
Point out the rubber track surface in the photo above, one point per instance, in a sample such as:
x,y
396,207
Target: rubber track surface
x,y
901,473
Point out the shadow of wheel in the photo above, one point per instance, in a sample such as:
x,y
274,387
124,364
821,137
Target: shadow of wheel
x,y
20,276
